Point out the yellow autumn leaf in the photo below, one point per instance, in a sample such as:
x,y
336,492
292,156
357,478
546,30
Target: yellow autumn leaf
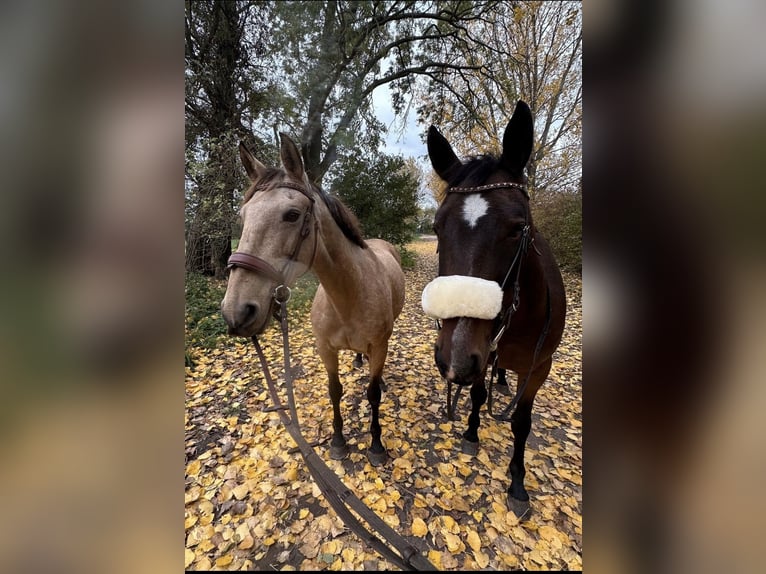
x,y
192,469
510,518
190,521
435,557
240,492
304,512
189,557
474,541
246,543
419,527
348,554
291,474
192,495
224,560
449,523
446,469
481,559
454,544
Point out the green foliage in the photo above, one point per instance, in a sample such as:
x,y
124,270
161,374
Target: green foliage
x,y
558,216
408,257
382,193
204,323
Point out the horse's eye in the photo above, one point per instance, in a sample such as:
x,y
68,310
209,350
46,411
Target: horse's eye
x,y
516,230
291,215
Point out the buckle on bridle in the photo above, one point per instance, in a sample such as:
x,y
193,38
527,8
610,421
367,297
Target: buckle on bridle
x,y
282,294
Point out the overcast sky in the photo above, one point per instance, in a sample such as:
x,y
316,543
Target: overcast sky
x,y
406,142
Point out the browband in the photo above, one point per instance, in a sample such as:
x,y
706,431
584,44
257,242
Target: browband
x,y
479,188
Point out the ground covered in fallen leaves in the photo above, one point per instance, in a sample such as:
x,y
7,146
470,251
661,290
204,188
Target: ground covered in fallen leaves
x,y
251,504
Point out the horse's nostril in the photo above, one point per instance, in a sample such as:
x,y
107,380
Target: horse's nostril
x,y
249,314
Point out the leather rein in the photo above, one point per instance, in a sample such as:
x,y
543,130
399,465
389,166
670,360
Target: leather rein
x,y
393,547
527,241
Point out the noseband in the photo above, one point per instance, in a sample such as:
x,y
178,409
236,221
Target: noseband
x,y
263,267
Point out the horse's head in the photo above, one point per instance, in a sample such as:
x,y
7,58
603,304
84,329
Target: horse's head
x,y
278,240
479,232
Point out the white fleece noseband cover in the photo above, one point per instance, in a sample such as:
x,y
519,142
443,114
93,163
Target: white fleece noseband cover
x,y
462,296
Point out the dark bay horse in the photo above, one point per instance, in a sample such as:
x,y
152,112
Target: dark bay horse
x,y
498,283
290,226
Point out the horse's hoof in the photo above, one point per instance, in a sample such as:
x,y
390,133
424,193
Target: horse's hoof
x,y
470,447
503,389
377,458
338,452
519,507
357,364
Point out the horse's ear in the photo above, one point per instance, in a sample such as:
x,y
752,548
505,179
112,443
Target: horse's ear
x,y
291,157
443,159
517,141
253,167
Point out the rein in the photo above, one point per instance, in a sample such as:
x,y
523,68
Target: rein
x,y
526,241
395,549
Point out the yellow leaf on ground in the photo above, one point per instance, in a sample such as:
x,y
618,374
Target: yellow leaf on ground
x,y
189,557
304,512
190,521
247,543
419,527
446,469
481,559
240,491
348,554
454,544
450,524
436,558
224,560
291,474
474,541
192,469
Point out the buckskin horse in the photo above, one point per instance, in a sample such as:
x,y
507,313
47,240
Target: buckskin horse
x,y
290,226
499,293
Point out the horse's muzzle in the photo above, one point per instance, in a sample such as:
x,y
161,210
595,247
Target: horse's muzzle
x,y
245,320
465,369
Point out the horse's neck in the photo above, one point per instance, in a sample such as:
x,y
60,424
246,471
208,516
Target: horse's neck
x,y
533,279
339,264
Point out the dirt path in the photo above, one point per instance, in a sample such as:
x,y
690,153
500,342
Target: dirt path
x,y
251,503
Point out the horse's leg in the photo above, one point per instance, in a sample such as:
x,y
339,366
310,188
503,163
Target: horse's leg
x,y
502,381
376,454
338,447
521,424
471,435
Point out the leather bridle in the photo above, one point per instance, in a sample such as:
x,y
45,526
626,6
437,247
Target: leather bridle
x,y
505,316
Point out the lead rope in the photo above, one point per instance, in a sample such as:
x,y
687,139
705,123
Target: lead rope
x,y
336,493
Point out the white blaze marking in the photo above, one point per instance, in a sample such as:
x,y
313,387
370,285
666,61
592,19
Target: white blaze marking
x,y
473,208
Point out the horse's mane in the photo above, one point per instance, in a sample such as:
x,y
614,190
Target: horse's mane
x,y
342,215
